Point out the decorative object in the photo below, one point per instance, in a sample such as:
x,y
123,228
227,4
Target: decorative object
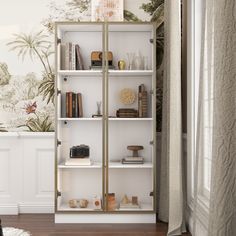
x,y
10,231
135,158
121,65
107,10
134,200
73,203
111,201
127,96
126,203
135,149
83,203
125,200
131,57
97,203
127,113
145,61
99,114
80,151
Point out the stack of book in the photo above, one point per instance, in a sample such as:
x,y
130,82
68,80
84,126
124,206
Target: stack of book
x,y
110,67
71,58
132,160
74,106
142,101
127,113
78,162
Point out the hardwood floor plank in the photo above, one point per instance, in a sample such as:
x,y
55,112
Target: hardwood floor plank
x,y
43,225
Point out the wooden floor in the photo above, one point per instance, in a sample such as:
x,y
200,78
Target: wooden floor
x,y
43,225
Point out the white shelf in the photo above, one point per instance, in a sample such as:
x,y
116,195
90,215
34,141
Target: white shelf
x,y
130,119
143,207
80,119
84,73
127,73
112,73
65,207
118,165
95,165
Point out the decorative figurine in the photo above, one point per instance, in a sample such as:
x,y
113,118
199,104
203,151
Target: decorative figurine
x,y
83,203
121,65
125,200
99,114
73,203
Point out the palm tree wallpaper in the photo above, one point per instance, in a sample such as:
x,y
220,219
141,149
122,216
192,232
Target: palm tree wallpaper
x,y
26,60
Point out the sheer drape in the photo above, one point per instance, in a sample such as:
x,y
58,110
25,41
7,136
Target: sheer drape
x,y
171,189
218,85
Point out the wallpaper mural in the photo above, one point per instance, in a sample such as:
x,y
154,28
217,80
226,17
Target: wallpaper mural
x,y
26,58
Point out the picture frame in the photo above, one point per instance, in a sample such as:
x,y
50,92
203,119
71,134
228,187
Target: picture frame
x,y
107,10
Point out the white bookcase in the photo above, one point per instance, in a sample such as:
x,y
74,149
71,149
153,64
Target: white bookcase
x,y
107,136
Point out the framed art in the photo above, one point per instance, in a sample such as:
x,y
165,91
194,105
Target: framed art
x,y
107,10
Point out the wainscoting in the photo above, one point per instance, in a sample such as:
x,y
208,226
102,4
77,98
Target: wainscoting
x,y
26,173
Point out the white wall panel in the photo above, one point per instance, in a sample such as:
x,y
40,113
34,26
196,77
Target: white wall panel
x,y
26,173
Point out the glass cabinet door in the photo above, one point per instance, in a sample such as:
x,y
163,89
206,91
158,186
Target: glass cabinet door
x,y
79,175
131,117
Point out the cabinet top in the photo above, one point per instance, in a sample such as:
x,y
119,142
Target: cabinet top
x,y
90,26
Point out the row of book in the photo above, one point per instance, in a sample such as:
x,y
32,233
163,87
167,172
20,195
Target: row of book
x,y
74,107
71,58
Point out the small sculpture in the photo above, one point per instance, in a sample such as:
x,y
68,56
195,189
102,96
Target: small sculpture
x,y
125,200
127,96
99,114
135,149
121,65
73,203
83,203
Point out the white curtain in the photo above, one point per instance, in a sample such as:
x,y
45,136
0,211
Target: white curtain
x,y
171,186
216,124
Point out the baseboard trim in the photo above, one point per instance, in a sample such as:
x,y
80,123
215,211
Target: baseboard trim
x,y
105,218
36,208
9,209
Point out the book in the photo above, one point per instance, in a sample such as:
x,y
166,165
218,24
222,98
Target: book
x,y
80,104
74,107
133,158
73,63
69,98
67,60
63,57
78,162
123,161
79,59
67,104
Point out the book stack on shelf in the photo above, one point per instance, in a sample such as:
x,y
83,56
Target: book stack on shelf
x,y
142,101
135,159
71,58
132,160
127,113
74,107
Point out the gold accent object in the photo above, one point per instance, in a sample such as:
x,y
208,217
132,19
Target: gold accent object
x,y
121,65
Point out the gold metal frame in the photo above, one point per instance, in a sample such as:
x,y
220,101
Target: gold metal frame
x,y
105,120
